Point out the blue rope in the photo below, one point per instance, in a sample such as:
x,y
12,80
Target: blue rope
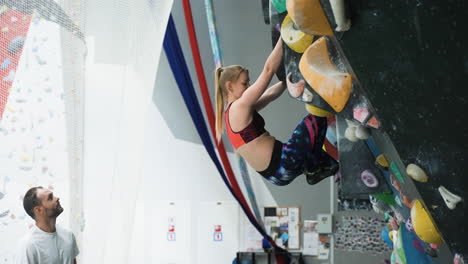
x,y
181,73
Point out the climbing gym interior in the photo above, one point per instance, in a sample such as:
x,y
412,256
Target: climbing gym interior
x,y
111,104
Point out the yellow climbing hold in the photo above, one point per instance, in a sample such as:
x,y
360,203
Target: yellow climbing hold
x,y
296,39
382,161
424,225
317,111
309,17
319,72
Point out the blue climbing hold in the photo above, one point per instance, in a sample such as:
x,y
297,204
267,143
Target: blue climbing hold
x,y
5,64
386,237
16,44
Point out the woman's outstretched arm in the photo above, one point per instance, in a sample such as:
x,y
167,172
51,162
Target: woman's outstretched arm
x,y
250,97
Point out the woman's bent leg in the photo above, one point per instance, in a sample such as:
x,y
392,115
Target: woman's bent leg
x,y
303,153
295,153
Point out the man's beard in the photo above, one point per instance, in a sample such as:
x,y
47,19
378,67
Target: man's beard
x,y
54,212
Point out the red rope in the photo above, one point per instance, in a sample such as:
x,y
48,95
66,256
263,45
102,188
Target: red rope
x,y
207,102
210,114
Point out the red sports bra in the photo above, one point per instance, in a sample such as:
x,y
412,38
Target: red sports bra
x,y
249,133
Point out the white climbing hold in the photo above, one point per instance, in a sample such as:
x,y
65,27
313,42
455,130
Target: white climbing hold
x,y
10,77
362,132
307,96
40,61
409,225
342,22
351,123
350,134
450,199
415,172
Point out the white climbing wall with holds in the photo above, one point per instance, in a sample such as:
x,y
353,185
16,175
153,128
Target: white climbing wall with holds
x,y
32,131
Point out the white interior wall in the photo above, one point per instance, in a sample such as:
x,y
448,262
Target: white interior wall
x,y
182,172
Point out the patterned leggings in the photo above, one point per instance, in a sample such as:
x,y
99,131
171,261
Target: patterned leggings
x,y
302,152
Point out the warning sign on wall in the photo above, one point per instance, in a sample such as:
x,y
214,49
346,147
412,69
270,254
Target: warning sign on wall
x,y
218,233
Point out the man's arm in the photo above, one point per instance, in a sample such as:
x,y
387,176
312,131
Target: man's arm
x,y
75,249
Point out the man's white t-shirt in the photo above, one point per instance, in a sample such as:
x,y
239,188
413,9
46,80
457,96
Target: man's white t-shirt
x,y
39,247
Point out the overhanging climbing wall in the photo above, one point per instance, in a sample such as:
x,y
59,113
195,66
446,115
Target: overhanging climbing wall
x,y
412,59
395,83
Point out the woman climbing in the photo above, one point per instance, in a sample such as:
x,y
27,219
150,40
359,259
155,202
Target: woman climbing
x,y
280,163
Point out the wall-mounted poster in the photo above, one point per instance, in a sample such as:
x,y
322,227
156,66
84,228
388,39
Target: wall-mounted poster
x,y
217,236
311,238
170,231
324,247
282,224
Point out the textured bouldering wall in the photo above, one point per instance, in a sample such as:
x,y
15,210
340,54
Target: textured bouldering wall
x,y
411,58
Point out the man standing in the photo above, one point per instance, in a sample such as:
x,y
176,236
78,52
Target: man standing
x,y
46,243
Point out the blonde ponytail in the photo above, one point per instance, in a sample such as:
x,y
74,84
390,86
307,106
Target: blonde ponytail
x,y
222,75
219,94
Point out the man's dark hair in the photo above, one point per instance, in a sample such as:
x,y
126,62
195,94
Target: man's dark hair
x,y
30,201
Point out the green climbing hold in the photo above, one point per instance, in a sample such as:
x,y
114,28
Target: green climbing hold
x,y
387,217
398,201
385,197
280,5
396,172
3,9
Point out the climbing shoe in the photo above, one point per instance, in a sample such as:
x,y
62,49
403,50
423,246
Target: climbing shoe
x,y
321,173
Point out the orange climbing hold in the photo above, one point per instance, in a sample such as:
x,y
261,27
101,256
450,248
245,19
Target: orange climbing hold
x,y
373,122
308,15
319,72
406,201
395,182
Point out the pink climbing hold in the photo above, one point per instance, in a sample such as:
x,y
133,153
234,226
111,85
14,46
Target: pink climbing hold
x,y
458,259
373,122
369,179
418,245
361,114
295,89
394,224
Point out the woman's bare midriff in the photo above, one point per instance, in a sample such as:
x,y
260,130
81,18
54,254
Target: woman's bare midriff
x,y
258,152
